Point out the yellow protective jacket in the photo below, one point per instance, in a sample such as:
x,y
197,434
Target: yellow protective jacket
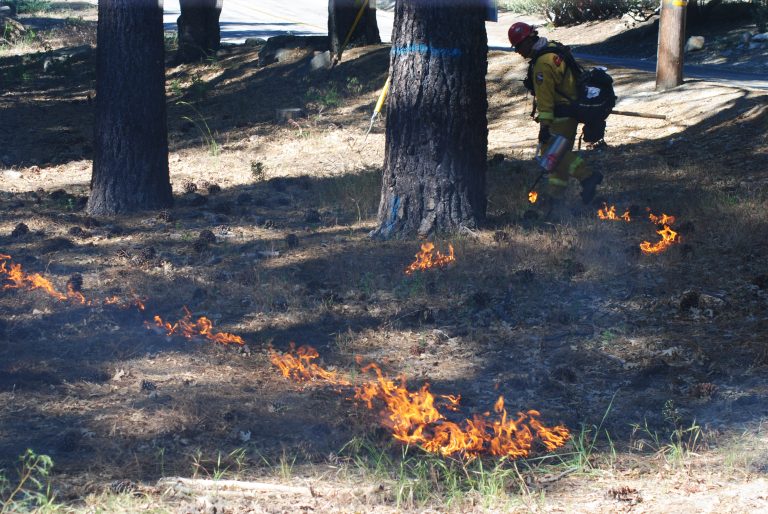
x,y
553,83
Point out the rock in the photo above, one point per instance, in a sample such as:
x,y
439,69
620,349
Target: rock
x,y
688,300
320,61
254,41
65,55
694,43
20,230
279,47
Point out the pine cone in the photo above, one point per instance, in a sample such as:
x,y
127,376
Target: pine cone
x,y
75,283
188,186
165,215
199,245
207,236
147,253
122,486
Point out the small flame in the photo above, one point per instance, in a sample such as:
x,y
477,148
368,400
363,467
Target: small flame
x,y
426,259
187,328
661,220
609,213
415,417
533,196
297,364
17,278
668,236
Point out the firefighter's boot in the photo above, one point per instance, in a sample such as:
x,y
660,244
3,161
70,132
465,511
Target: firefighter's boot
x,y
589,187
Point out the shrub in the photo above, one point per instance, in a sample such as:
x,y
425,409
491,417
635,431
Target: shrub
x,y
567,12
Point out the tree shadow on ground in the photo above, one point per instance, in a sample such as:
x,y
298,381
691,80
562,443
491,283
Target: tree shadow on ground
x,y
536,315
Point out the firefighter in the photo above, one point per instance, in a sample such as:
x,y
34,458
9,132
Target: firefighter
x,y
552,82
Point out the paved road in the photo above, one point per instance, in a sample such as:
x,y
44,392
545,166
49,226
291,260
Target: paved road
x,y
241,19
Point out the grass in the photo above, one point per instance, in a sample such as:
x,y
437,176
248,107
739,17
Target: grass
x,y
30,488
223,465
209,140
676,448
415,479
33,6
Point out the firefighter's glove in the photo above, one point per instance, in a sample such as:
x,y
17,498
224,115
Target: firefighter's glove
x,y
544,134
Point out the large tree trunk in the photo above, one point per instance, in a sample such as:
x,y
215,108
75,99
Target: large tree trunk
x,y
130,164
437,131
198,29
341,16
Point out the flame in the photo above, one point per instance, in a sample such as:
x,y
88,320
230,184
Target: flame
x,y
415,417
202,327
668,236
661,220
297,364
533,196
425,259
17,278
609,213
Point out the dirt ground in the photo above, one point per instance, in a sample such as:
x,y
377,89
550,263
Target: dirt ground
x,y
656,363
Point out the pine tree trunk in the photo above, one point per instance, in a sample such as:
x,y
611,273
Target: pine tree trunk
x,y
437,131
341,16
198,29
130,165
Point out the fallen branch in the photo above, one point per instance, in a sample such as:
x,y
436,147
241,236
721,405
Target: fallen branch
x,y
640,115
227,487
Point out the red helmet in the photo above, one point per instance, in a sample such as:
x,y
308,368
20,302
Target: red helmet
x,y
519,31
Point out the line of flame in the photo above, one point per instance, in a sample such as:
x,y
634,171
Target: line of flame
x,y
297,364
203,326
609,213
17,278
414,417
429,258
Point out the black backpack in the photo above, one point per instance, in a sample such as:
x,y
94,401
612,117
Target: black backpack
x,y
596,98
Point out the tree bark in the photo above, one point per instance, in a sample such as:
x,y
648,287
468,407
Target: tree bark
x,y
670,54
341,16
437,131
130,165
198,29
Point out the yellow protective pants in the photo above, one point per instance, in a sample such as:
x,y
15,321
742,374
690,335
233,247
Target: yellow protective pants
x,y
571,164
